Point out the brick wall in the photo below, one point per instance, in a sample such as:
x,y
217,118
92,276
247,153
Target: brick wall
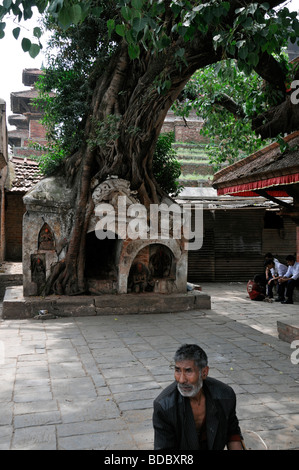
x,y
13,226
189,133
184,131
143,256
37,131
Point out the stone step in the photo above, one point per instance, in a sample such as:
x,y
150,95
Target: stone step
x,y
192,155
202,158
196,168
16,306
188,145
196,182
11,274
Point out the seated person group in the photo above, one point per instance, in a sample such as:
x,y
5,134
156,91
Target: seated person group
x,y
277,276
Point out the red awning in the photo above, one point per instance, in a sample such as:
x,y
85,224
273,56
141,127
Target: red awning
x,y
247,189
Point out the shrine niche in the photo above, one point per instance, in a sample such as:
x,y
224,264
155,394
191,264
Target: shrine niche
x,y
161,262
139,279
46,240
153,270
38,271
101,263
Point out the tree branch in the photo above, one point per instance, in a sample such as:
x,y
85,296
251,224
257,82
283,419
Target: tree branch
x,y
228,103
281,119
270,70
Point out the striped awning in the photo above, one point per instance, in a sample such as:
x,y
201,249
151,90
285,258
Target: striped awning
x,y
271,185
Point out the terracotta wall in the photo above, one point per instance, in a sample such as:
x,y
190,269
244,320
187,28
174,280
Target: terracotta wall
x,y
13,226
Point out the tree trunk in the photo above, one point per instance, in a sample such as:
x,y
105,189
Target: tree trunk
x,y
121,131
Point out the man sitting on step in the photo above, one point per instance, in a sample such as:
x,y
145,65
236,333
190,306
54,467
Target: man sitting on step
x,y
287,283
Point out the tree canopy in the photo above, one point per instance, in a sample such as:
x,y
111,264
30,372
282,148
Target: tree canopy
x,y
249,32
227,99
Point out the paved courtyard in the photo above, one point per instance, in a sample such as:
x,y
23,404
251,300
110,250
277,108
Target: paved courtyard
x,y
90,382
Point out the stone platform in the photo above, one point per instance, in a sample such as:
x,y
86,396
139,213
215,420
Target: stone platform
x,y
288,331
16,306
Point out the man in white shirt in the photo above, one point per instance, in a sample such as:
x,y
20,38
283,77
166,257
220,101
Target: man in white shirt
x,y
287,283
274,271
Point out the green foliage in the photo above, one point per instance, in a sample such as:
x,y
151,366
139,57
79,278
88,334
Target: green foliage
x,y
68,76
51,158
230,136
88,29
106,132
142,22
64,112
256,28
166,168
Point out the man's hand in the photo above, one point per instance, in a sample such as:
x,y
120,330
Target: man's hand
x,y
283,279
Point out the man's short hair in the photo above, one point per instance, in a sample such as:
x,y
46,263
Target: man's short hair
x,y
192,352
270,261
290,258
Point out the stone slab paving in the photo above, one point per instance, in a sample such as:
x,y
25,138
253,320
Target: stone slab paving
x,y
89,382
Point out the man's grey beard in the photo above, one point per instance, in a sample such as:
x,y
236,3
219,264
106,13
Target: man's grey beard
x,y
190,391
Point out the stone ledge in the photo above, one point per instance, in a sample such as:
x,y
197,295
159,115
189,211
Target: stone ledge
x,y
16,306
288,332
7,280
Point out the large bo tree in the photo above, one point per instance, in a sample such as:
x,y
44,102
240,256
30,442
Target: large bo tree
x,y
154,48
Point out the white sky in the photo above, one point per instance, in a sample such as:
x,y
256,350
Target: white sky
x,y
13,60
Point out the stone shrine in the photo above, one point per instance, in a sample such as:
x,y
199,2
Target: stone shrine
x,y
115,263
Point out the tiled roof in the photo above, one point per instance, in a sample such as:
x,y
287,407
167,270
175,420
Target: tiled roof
x,y
268,162
24,174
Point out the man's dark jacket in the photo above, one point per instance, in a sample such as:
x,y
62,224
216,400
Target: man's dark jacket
x,y
174,424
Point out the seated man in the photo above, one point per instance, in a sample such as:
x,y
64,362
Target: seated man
x,y
195,412
287,283
274,271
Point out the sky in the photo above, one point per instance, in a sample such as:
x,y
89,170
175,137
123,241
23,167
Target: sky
x,y
13,60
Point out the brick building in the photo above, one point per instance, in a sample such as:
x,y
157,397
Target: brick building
x,y
22,170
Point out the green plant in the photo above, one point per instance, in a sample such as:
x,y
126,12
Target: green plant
x,y
227,99
166,167
51,157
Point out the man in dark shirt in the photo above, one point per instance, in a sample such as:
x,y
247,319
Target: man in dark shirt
x,y
195,412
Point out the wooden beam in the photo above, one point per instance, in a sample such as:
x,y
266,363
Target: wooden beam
x,y
263,192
